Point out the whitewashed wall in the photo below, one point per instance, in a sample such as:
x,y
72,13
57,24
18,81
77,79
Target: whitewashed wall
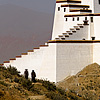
x,y
90,3
97,27
96,6
58,21
96,53
72,57
43,61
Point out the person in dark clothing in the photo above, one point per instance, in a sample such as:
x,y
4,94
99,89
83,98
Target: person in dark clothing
x,y
33,75
26,73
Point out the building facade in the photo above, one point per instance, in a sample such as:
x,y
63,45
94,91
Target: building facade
x,y
75,42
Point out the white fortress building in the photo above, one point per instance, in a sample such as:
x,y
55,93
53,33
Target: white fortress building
x,y
75,42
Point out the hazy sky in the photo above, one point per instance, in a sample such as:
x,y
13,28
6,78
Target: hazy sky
x,y
24,24
37,5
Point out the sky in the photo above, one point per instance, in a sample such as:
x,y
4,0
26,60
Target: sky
x,y
46,6
24,24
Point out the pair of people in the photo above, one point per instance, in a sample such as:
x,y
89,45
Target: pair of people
x,y
33,75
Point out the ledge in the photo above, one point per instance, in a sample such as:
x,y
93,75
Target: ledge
x,y
6,62
37,48
86,14
30,50
18,56
75,5
43,45
81,10
73,1
74,41
13,59
24,54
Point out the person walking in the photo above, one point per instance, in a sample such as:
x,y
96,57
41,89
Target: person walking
x,y
33,75
26,73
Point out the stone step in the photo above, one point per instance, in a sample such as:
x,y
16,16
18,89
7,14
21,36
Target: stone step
x,y
13,59
24,54
36,48
72,29
43,45
65,33
70,33
30,50
79,24
57,39
60,35
6,62
77,28
62,38
18,56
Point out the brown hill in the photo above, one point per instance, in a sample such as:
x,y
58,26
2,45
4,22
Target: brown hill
x,y
14,86
86,83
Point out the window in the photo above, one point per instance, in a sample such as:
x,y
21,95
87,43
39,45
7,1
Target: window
x,y
93,38
77,18
73,19
92,19
58,8
99,1
85,18
64,9
66,19
83,39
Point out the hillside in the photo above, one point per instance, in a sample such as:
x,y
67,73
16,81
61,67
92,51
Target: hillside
x,y
86,83
14,86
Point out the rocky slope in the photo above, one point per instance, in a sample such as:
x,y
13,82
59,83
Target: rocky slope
x,y
86,83
14,86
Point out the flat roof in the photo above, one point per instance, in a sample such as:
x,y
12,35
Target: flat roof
x,y
74,41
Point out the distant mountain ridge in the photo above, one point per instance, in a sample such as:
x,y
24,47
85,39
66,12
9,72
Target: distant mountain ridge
x,y
22,29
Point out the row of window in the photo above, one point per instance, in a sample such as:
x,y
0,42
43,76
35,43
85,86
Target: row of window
x,y
73,19
65,8
59,9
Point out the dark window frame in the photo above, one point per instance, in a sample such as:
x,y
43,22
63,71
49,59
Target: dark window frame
x,y
91,19
85,18
58,8
66,19
64,9
99,1
77,18
73,19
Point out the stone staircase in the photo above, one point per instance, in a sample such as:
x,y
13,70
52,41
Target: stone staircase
x,y
23,55
75,33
